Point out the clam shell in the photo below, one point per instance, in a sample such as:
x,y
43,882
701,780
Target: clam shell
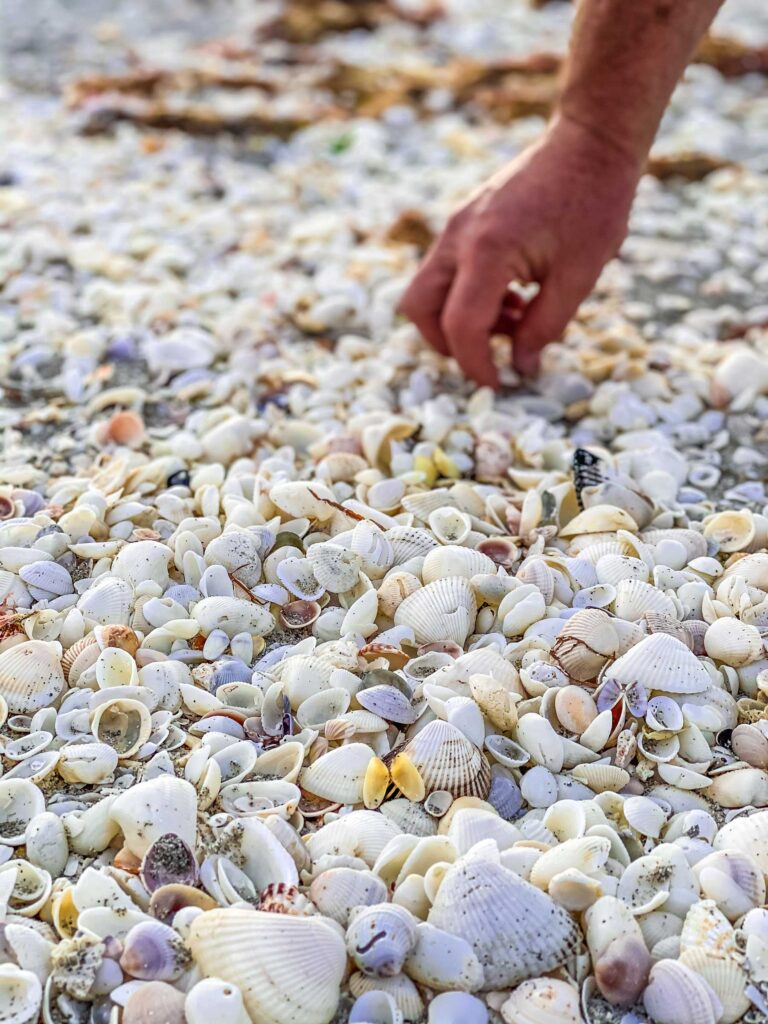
x,y
727,979
21,995
500,916
20,802
123,725
388,702
155,998
678,995
152,809
91,763
442,610
263,954
452,560
442,961
599,519
31,676
379,938
152,951
338,775
214,1000
660,662
542,1001
339,891
585,644
634,599
446,760
732,642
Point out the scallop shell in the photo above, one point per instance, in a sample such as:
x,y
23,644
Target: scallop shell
x,y
339,774
732,642
264,954
542,1001
601,778
500,916
585,644
634,598
446,760
335,568
660,662
154,808
339,891
451,560
31,676
443,610
155,998
379,938
107,601
678,995
727,979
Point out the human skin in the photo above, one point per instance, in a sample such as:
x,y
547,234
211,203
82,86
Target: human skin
x,y
558,212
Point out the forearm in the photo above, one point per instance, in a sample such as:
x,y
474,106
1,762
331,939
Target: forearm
x,y
625,59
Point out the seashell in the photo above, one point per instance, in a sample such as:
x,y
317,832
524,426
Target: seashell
x,y
338,891
379,938
21,995
730,531
585,644
214,1000
388,702
31,676
634,599
375,1007
601,778
401,989
644,816
750,744
675,994
142,560
45,841
233,616
28,887
536,735
123,725
149,810
20,802
281,947
542,1001
155,999
456,1008
587,854
621,972
660,662
725,977
335,568
495,700
599,519
299,614
442,610
338,775
500,916
153,952
740,787
90,763
168,861
442,961
575,709
449,525
446,760
452,560
732,642
733,880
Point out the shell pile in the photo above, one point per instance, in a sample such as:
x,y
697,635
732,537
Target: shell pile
x,y
331,688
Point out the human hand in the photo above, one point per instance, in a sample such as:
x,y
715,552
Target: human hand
x,y
554,216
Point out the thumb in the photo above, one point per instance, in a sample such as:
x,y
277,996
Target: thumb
x,y
544,320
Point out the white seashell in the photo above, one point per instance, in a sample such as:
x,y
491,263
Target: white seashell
x,y
142,560
520,609
660,662
335,568
500,916
449,525
31,676
585,644
108,601
21,995
452,560
280,947
151,809
339,774
677,995
442,961
379,938
732,642
457,1008
123,725
338,891
535,734
542,1001
20,802
375,1007
644,816
45,840
472,824
214,1000
727,979
587,854
400,988
443,610
739,788
634,598
233,616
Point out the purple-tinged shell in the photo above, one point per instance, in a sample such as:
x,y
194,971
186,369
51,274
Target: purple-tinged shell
x,y
504,793
168,860
154,952
299,614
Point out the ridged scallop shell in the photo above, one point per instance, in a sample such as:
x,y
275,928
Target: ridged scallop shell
x,y
443,610
675,994
601,777
158,999
634,598
446,759
726,978
409,542
585,644
542,1001
360,834
451,560
379,937
694,543
338,891
154,808
660,662
732,642
400,988
31,676
264,955
338,775
500,916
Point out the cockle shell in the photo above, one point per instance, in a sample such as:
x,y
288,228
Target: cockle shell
x,y
263,955
338,891
660,662
452,560
727,979
446,760
155,998
634,599
339,774
31,676
542,1001
585,644
153,952
360,834
442,610
379,938
678,995
500,916
87,762
732,642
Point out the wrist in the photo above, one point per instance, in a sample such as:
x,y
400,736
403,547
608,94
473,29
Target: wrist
x,y
606,148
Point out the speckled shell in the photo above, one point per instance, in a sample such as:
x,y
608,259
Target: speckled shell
x,y
31,676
